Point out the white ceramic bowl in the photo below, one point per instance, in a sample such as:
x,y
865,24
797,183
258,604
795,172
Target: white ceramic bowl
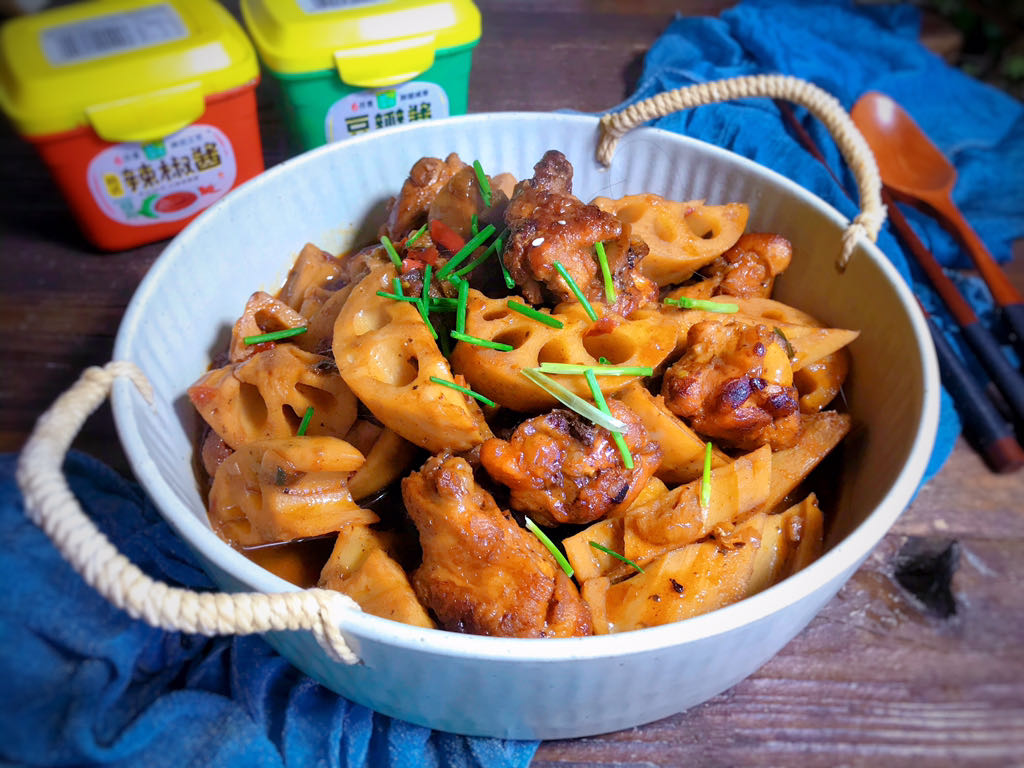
x,y
557,688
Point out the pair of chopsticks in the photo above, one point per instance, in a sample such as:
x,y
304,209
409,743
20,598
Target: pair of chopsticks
x,y
989,430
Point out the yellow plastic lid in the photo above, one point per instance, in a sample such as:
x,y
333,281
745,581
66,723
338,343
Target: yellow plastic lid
x,y
134,70
373,43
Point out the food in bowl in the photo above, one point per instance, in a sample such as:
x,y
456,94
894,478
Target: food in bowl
x,y
534,374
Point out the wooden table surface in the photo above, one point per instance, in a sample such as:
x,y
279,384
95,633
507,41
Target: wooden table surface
x,y
877,678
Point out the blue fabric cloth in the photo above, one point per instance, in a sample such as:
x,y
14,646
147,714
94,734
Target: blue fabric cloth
x,y
84,684
849,49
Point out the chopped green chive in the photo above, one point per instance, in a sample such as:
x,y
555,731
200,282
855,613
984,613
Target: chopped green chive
x,y
463,390
614,370
603,361
685,302
460,309
790,352
397,285
530,312
287,333
536,531
573,401
705,480
615,554
609,286
442,304
576,290
417,236
428,275
460,336
509,282
305,421
397,297
392,253
494,246
595,390
485,185
465,251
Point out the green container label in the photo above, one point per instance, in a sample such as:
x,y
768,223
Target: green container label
x,y
372,110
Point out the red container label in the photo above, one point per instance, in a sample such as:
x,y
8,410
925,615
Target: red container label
x,y
143,184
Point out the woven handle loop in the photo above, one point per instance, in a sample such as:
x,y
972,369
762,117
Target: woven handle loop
x,y
820,103
50,504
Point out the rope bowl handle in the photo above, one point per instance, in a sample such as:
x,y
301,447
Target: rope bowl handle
x,y
614,125
50,504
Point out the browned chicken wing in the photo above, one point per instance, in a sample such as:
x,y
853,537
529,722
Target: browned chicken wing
x,y
481,573
748,269
547,224
426,179
734,383
564,469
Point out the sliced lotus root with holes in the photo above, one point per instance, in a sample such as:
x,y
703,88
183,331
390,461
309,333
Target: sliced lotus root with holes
x,y
262,314
682,236
313,268
280,490
645,339
267,396
386,354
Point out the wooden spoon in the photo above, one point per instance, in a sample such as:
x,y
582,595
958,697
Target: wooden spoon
x,y
914,168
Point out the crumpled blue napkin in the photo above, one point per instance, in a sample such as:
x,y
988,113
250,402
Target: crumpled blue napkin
x,y
848,49
84,684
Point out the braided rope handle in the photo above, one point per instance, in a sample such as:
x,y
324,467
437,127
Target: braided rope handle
x,y
820,103
50,504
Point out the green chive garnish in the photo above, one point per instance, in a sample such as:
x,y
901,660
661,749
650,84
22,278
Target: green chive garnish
x,y
612,370
428,275
397,285
609,286
485,185
603,360
491,249
392,253
595,390
509,282
397,297
460,310
530,312
576,290
573,401
705,480
790,352
305,421
415,237
442,304
463,390
287,333
615,554
465,251
536,531
685,302
460,336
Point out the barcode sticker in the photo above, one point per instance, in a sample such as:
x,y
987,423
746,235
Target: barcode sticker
x,y
321,6
111,34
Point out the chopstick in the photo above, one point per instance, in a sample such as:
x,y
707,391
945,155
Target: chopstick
x,y
991,434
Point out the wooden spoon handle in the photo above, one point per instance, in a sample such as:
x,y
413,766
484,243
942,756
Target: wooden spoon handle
x,y
1003,291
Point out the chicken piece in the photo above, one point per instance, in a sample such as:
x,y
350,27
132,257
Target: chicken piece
x,y
547,224
460,199
734,383
426,179
748,269
564,469
481,573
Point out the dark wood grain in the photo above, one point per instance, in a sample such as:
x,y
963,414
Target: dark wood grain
x,y
874,680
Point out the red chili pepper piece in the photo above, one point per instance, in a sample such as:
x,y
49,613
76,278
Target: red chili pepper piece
x,y
445,236
410,264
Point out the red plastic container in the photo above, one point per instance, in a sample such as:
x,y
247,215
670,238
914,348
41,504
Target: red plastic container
x,y
144,112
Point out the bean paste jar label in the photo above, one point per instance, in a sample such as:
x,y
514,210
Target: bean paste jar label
x,y
373,110
145,183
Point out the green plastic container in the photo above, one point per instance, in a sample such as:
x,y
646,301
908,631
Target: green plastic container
x,y
347,67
